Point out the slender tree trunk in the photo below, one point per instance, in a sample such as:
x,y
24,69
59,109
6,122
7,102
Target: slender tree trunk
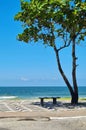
x,y
62,73
75,95
73,92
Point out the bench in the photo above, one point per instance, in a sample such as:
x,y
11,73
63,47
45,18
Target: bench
x,y
42,100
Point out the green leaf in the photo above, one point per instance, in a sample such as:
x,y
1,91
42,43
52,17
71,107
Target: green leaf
x,y
45,18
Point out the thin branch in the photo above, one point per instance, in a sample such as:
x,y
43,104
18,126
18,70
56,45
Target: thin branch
x,y
81,33
65,45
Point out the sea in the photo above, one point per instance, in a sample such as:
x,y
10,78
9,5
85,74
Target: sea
x,y
29,92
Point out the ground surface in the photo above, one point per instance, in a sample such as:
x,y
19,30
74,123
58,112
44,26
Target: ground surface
x,y
29,115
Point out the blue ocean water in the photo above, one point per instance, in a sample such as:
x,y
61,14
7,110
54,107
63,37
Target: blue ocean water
x,y
35,92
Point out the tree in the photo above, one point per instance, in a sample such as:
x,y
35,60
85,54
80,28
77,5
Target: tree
x,y
46,20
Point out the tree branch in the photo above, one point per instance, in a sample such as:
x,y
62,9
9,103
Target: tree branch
x,y
62,72
64,46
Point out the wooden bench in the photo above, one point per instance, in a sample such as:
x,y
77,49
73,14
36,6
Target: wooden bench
x,y
42,100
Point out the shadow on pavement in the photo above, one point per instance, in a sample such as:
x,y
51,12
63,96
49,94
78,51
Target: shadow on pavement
x,y
4,129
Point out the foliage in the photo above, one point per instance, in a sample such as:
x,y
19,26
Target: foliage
x,y
46,20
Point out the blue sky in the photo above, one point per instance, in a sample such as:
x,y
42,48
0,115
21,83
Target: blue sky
x,y
23,64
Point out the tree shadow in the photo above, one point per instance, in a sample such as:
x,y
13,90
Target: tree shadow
x,y
59,104
4,129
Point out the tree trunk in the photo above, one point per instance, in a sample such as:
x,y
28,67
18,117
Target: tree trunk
x,y
75,95
74,99
73,92
62,73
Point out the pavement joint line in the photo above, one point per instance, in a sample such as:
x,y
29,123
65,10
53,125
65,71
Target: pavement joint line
x,y
11,110
26,108
63,118
8,107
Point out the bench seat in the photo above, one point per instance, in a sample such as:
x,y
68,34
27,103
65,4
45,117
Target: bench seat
x,y
54,100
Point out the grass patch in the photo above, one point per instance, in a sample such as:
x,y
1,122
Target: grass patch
x,y
82,98
64,98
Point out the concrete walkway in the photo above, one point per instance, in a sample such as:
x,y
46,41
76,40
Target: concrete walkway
x,y
25,115
26,124
16,106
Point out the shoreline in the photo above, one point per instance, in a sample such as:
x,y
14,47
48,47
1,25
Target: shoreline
x,y
62,98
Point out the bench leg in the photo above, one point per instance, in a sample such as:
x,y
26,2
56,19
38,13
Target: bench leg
x,y
42,102
54,101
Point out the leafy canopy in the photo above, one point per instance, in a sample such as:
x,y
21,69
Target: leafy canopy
x,y
46,20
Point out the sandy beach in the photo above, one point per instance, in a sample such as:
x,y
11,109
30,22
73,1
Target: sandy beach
x,y
30,115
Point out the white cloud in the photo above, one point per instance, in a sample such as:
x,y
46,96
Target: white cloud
x,y
38,79
24,79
